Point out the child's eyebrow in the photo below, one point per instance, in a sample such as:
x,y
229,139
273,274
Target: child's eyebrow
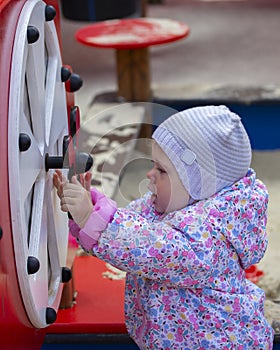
x,y
159,164
156,161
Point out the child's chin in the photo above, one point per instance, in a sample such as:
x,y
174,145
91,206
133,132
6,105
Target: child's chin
x,y
158,207
154,201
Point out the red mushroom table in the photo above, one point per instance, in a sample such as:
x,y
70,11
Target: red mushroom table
x,y
131,39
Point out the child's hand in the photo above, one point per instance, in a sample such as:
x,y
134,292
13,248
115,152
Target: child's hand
x,y
59,179
76,199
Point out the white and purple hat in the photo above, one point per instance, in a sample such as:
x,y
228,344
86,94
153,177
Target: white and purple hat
x,y
208,146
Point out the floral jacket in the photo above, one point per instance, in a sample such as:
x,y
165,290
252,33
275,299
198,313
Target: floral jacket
x,y
185,286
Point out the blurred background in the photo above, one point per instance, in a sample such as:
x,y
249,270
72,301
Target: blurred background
x,y
230,42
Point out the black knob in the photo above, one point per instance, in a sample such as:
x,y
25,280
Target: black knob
x,y
84,162
33,265
24,142
65,145
1,232
74,116
53,162
65,74
76,82
50,13
66,275
32,34
50,315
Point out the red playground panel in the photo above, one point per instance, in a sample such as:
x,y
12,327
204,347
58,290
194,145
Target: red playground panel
x,y
99,305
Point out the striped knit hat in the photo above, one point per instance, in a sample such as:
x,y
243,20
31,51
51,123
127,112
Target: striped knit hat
x,y
208,146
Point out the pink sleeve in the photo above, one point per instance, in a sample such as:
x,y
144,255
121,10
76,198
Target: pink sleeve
x,y
103,213
96,195
74,228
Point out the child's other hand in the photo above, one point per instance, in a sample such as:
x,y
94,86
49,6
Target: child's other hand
x,y
76,199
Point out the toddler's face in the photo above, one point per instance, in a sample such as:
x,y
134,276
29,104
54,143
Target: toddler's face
x,y
169,194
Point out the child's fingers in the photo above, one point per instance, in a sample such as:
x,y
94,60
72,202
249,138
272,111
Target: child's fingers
x,y
67,201
83,179
73,188
59,181
75,181
58,172
87,179
58,185
56,179
61,175
64,208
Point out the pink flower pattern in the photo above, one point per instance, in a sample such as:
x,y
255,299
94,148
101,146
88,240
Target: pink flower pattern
x,y
186,287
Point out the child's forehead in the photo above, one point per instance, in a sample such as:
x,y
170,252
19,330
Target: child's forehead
x,y
159,155
157,151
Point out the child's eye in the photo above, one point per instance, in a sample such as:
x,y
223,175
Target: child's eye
x,y
158,167
162,171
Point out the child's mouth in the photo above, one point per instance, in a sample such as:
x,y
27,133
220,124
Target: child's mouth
x,y
154,195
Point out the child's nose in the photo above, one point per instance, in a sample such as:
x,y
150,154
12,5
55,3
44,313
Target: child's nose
x,y
150,174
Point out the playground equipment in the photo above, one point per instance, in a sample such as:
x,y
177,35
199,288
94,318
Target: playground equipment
x,y
38,129
39,124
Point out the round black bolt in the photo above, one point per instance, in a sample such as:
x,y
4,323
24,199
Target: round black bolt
x,y
24,142
65,74
32,34
1,232
50,315
66,275
76,82
33,265
50,13
84,162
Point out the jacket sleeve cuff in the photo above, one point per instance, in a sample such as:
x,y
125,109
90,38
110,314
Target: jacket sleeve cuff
x,y
73,228
103,213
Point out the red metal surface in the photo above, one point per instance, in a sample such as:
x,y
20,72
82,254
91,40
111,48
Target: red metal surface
x,y
132,33
99,306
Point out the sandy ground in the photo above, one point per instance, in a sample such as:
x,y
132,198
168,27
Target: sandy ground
x,y
267,166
